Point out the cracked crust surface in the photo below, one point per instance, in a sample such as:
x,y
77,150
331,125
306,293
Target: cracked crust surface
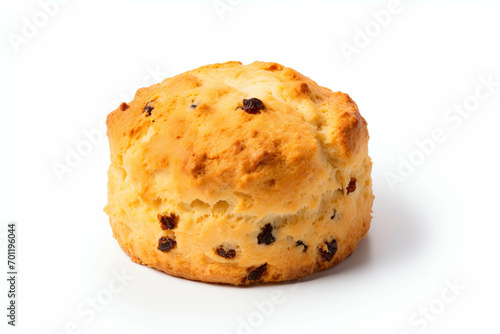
x,y
186,147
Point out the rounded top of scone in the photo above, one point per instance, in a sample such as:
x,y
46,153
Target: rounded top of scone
x,y
260,138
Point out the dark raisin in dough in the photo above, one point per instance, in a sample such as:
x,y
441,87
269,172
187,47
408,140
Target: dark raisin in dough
x,y
168,221
257,273
266,235
334,212
166,244
332,249
227,254
123,106
352,186
148,108
252,106
301,243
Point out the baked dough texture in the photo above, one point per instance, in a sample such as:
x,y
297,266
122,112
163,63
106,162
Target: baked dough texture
x,y
239,174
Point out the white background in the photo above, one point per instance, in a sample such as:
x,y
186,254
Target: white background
x,y
438,224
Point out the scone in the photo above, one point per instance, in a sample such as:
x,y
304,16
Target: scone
x,y
239,174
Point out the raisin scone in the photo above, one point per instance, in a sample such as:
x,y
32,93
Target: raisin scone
x,y
239,174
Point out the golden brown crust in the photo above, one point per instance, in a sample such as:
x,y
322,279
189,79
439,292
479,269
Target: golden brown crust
x,y
186,146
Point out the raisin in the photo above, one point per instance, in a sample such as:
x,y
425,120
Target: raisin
x,y
331,250
227,254
334,212
168,221
257,273
266,235
252,106
166,244
123,106
352,186
148,108
301,243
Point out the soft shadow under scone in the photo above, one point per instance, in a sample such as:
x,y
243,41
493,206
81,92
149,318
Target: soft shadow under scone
x,y
207,186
